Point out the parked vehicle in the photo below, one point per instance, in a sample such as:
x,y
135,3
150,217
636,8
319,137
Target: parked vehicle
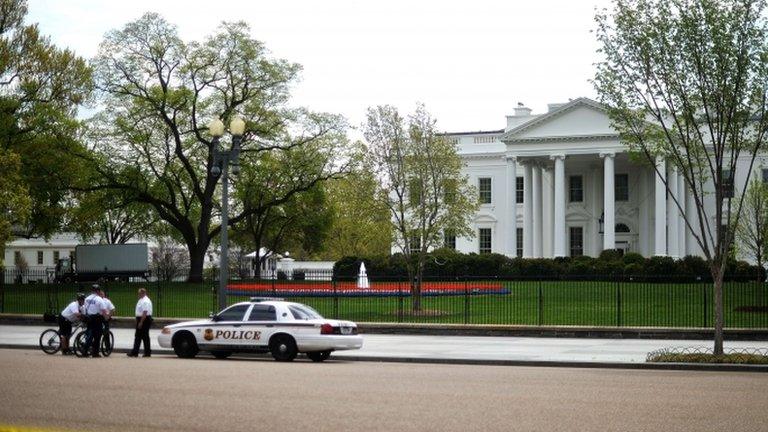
x,y
104,262
281,328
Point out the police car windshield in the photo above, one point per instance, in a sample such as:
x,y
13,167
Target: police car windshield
x,y
303,312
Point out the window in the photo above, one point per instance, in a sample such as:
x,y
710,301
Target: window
x,y
621,187
303,312
449,190
577,241
519,245
520,190
55,257
39,257
484,186
765,175
261,312
449,239
485,240
414,192
414,246
727,183
16,257
576,189
234,313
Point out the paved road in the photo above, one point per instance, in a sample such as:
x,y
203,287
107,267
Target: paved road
x,y
166,393
456,347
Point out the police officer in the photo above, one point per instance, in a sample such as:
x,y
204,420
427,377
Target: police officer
x,y
96,311
110,308
69,315
143,323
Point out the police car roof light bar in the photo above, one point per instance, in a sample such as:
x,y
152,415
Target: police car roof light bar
x,y
261,299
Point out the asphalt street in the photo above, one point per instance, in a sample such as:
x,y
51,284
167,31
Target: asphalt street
x,y
453,347
164,393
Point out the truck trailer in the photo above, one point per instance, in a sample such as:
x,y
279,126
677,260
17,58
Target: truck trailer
x,y
97,262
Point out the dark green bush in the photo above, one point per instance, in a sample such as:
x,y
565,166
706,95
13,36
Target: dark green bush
x,y
633,258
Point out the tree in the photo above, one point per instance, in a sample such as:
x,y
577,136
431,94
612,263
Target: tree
x,y
169,260
685,80
361,223
421,184
41,87
112,218
278,218
752,229
14,198
159,91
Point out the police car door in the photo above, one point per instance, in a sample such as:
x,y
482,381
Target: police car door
x,y
261,322
226,327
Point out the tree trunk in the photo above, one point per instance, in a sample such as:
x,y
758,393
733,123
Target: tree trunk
x,y
718,294
417,285
196,261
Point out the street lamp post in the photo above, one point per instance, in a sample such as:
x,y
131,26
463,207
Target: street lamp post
x,y
221,161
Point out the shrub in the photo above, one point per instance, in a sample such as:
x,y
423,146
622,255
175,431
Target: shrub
x,y
633,258
610,255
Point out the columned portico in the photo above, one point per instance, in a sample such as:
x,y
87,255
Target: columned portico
x,y
660,213
609,202
559,205
512,205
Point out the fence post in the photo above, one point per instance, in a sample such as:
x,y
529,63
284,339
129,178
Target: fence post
x,y
466,300
335,298
400,300
2,290
704,291
159,298
618,302
541,304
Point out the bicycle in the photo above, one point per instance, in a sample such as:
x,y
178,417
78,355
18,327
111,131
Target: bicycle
x,y
50,339
106,345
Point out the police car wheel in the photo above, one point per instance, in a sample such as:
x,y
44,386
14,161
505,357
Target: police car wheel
x,y
221,354
184,345
318,356
283,348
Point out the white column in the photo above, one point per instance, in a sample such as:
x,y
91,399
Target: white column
x,y
683,227
660,196
559,206
537,213
609,202
690,209
672,217
511,206
528,210
644,204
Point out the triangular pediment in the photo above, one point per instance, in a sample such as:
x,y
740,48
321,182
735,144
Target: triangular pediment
x,y
579,118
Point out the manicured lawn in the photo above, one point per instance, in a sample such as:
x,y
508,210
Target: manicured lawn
x,y
528,302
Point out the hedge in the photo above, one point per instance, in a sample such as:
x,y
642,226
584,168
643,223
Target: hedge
x,y
446,263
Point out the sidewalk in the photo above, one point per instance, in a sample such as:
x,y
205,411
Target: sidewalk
x,y
580,352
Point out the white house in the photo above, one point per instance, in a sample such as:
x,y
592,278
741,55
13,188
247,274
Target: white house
x,y
561,184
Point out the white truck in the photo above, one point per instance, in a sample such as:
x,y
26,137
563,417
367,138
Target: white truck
x,y
104,262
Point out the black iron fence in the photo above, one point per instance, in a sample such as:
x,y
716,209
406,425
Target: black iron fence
x,y
585,301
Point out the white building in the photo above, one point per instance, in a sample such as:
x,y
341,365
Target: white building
x,y
562,184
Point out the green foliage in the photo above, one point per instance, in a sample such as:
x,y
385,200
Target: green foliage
x,y
448,264
158,93
14,199
41,87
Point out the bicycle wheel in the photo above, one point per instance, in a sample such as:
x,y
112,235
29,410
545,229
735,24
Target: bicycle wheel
x,y
81,350
50,341
107,343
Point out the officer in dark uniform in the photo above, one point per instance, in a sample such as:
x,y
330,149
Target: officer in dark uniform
x,y
95,311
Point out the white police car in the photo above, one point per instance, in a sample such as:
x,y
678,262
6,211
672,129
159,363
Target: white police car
x,y
281,328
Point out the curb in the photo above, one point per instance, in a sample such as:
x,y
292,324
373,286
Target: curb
x,y
590,332
705,367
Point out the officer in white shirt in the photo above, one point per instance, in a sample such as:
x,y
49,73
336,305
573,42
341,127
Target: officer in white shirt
x,y
69,315
96,311
143,323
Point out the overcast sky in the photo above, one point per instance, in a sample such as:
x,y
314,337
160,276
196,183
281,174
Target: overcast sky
x,y
470,62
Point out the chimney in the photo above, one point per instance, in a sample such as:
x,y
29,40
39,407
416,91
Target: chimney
x,y
522,111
